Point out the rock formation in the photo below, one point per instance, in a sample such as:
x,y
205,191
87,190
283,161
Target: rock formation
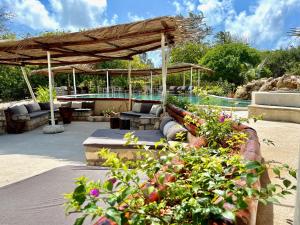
x,y
284,83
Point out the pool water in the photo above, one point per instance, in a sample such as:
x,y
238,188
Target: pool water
x,y
214,100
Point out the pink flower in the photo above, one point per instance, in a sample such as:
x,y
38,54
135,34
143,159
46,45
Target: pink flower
x,y
95,192
113,180
221,119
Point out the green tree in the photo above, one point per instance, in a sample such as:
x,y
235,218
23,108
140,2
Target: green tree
x,y
229,60
283,61
190,52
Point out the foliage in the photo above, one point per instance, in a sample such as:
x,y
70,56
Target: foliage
x,y
283,61
187,185
120,81
181,102
190,52
227,61
225,37
43,94
219,88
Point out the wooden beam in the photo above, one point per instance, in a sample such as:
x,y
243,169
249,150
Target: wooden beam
x,y
87,42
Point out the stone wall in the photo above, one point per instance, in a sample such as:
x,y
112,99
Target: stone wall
x,y
2,122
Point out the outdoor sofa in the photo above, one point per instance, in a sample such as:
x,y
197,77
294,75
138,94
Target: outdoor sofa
x,y
82,110
144,116
25,117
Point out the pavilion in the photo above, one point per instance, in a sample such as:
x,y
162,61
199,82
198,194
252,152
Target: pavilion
x,y
88,69
101,44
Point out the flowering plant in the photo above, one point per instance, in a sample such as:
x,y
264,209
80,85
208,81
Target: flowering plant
x,y
180,184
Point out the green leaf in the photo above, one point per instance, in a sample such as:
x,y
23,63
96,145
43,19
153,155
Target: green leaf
x,y
287,183
114,214
293,173
79,194
80,220
251,165
251,178
276,170
229,215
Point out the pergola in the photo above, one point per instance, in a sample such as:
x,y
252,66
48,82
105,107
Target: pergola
x,y
89,69
101,44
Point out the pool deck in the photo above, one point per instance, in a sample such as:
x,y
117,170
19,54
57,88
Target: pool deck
x,y
31,153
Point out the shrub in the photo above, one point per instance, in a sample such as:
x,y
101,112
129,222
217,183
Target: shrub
x,y
43,94
187,185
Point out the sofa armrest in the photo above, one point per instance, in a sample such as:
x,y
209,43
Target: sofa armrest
x,y
23,117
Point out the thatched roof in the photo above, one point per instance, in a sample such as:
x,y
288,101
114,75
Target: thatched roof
x,y
88,69
295,32
106,43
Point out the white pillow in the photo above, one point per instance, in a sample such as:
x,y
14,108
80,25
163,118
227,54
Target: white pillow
x,y
137,107
154,109
76,105
168,126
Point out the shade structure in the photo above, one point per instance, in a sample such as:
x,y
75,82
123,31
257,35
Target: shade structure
x,y
88,69
101,44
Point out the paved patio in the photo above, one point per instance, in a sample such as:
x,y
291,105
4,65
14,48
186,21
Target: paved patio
x,y
31,153
28,154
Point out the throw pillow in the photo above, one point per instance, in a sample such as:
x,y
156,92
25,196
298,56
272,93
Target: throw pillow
x,y
66,104
168,126
146,107
33,107
44,105
137,107
174,130
163,122
88,105
76,105
154,109
18,110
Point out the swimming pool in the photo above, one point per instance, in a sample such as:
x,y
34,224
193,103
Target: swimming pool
x,y
214,100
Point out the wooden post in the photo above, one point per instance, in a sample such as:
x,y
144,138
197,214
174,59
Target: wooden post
x,y
191,81
69,85
297,205
164,70
28,83
129,85
74,82
107,82
198,82
151,82
50,89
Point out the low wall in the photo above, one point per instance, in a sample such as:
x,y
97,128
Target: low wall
x,y
276,106
285,99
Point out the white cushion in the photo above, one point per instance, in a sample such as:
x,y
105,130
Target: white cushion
x,y
76,105
168,126
137,107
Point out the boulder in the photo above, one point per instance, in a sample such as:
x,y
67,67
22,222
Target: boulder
x,y
285,83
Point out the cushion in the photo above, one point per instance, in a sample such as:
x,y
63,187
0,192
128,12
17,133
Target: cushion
x,y
76,105
156,110
66,104
164,121
88,105
38,114
33,107
174,130
44,105
137,107
146,107
18,110
168,126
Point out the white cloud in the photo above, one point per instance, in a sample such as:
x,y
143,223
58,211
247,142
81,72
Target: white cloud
x,y
61,14
133,17
155,56
215,11
177,6
265,22
31,13
189,5
287,42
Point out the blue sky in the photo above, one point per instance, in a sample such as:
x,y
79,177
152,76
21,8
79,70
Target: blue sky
x,y
262,23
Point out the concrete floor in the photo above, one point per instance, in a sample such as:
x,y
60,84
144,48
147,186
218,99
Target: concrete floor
x,y
30,153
